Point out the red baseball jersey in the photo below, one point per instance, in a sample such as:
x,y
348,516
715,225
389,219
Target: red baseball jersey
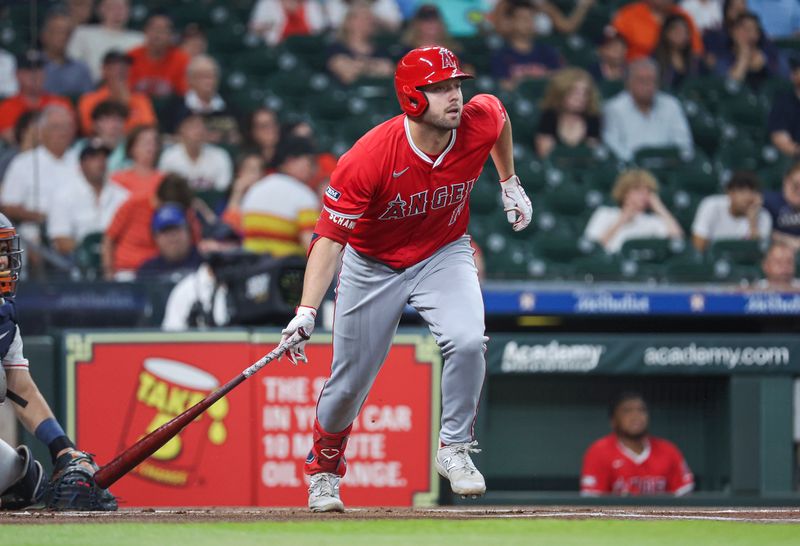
x,y
611,468
392,202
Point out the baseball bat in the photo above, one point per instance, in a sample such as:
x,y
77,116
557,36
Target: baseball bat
x,y
152,442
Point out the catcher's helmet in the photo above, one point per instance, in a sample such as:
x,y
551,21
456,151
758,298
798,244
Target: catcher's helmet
x,y
9,248
420,67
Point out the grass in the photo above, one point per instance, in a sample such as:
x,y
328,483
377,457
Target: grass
x,y
408,533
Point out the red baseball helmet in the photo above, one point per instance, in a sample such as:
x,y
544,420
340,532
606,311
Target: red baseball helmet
x,y
420,67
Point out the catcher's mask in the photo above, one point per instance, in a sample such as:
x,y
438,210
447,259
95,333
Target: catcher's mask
x,y
10,257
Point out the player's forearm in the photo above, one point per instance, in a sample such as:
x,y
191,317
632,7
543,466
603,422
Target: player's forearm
x,y
322,264
503,152
37,410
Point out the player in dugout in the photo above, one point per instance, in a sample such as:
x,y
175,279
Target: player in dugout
x,y
630,461
23,481
397,207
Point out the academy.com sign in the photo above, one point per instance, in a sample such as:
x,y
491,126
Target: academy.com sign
x,y
551,357
624,354
726,357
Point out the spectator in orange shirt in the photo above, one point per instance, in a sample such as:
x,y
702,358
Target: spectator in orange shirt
x,y
640,24
159,67
142,149
116,67
31,95
128,240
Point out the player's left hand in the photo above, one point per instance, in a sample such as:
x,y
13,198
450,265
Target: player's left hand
x,y
516,204
297,333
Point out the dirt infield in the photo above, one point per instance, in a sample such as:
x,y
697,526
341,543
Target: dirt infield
x,y
217,514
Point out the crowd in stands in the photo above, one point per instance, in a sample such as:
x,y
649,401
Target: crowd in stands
x,y
134,128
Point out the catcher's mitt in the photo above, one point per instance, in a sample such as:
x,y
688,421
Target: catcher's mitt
x,y
72,486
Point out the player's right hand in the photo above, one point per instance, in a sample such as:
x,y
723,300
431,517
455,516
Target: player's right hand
x,y
297,333
516,204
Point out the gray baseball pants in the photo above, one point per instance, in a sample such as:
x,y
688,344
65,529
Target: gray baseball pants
x,y
371,296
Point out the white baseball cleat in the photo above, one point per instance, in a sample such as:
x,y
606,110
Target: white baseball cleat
x,y
323,493
454,463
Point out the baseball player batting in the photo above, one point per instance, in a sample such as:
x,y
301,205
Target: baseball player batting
x,y
397,207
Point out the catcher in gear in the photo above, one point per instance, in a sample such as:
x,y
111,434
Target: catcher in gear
x,y
23,481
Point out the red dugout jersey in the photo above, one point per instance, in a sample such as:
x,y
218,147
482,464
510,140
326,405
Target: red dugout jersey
x,y
611,468
392,202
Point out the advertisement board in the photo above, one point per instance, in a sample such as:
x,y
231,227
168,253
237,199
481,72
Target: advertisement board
x,y
249,447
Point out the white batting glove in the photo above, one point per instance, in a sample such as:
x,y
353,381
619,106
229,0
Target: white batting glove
x,y
297,333
516,204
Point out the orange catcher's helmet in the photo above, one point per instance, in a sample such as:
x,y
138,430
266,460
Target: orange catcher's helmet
x,y
420,67
10,250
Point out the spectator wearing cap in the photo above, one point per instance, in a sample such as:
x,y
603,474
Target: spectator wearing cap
x,y
612,53
426,28
274,20
90,43
203,98
200,300
88,204
783,124
640,24
31,95
784,208
522,57
177,253
387,13
280,211
642,116
159,66
141,151
128,241
63,75
780,269
116,67
8,74
738,214
204,165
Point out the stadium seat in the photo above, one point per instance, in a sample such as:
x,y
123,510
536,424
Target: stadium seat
x,y
736,251
508,262
705,130
485,196
572,157
562,249
610,88
598,268
658,158
88,254
649,250
738,153
567,199
309,49
696,177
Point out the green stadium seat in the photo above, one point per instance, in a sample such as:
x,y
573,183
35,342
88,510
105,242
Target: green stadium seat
x,y
509,262
697,178
567,199
745,111
88,254
598,268
736,251
572,157
704,126
309,49
610,88
532,89
647,250
485,196
658,158
560,249
740,153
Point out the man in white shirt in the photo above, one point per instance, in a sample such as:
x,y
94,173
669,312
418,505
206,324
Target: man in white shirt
x,y
270,17
205,166
706,14
736,215
643,117
8,74
33,177
89,43
387,13
88,204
